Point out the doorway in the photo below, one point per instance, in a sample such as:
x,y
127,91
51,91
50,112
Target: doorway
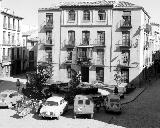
x,y
85,74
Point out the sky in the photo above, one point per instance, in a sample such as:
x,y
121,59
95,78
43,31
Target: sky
x,y
28,9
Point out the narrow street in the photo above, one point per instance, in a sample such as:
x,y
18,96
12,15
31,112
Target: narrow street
x,y
144,112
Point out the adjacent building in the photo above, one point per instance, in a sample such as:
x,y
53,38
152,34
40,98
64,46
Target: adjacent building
x,y
96,39
11,49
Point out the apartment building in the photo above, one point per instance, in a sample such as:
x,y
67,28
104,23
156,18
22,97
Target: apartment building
x,y
11,49
96,39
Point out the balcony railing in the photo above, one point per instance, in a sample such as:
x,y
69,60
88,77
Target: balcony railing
x,y
71,44
6,58
98,43
48,42
48,26
5,25
98,62
125,44
124,63
147,28
125,23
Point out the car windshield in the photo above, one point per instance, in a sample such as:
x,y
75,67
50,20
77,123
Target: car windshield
x,y
3,95
51,103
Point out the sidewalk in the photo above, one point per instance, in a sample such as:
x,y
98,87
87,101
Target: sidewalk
x,y
14,79
132,96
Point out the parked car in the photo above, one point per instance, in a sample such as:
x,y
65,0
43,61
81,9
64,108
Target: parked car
x,y
9,98
83,104
54,107
112,103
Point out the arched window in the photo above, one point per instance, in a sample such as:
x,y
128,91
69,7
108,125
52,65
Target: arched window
x,y
71,15
86,15
101,15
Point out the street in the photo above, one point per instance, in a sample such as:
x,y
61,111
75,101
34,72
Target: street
x,y
144,112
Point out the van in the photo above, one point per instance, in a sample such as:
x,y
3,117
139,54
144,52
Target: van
x,y
112,103
83,104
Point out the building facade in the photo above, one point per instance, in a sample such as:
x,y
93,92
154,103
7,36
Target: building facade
x,y
99,40
11,49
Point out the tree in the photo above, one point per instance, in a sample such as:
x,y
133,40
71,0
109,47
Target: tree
x,y
37,79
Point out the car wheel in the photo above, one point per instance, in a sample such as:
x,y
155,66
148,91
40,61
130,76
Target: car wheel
x,y
75,116
58,117
91,116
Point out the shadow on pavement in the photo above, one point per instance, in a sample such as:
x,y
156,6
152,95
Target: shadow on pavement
x,y
16,116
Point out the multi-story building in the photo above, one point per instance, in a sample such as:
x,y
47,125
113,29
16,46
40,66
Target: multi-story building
x,y
96,39
11,50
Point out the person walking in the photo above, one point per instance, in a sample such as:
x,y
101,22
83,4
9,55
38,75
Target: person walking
x,y
18,84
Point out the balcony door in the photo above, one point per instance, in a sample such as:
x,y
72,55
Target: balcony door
x,y
85,37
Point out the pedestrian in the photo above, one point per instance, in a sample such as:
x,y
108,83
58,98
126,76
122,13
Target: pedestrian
x,y
116,90
18,84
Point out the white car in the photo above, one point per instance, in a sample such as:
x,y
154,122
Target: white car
x,y
9,98
54,107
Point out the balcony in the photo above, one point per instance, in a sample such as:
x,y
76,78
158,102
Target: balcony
x,y
125,24
86,61
48,43
48,26
98,62
123,64
5,25
70,44
126,44
147,28
6,58
98,43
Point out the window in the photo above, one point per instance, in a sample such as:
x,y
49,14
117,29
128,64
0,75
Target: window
x,y
86,15
31,55
101,15
49,18
126,38
9,37
71,38
9,23
4,22
100,57
101,37
51,103
80,101
71,15
9,51
49,37
85,53
69,51
18,26
13,38
69,71
85,37
100,74
18,39
125,57
87,102
125,75
14,24
4,37
12,54
127,18
17,53
3,51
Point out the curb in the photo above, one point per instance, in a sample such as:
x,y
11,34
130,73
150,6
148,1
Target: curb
x,y
133,99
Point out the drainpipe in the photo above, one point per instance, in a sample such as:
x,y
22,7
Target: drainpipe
x,y
111,42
